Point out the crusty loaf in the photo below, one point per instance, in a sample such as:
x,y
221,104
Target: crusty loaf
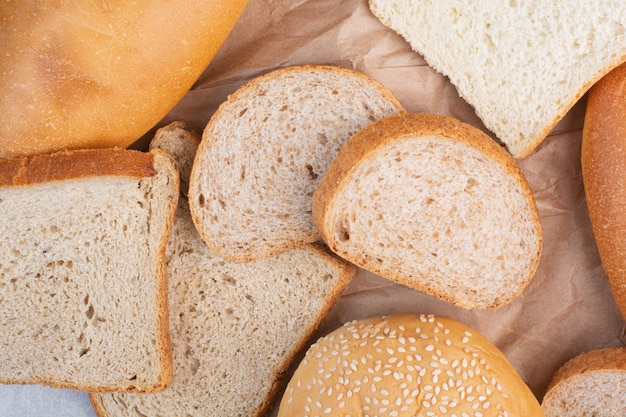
x,y
603,158
235,327
181,144
82,270
407,365
266,148
84,74
592,384
435,204
521,64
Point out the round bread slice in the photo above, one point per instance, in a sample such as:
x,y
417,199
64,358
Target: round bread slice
x,y
407,365
434,204
265,150
591,384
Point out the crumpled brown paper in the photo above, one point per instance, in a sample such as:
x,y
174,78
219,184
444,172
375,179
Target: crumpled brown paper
x,y
567,309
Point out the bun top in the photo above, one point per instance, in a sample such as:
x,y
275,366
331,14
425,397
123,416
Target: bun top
x,y
407,365
81,74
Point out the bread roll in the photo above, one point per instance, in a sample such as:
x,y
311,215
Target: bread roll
x,y
82,74
603,158
407,365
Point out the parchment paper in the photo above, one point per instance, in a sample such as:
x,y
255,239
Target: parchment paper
x,y
567,308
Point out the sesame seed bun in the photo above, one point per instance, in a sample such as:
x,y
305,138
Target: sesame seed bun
x,y
407,365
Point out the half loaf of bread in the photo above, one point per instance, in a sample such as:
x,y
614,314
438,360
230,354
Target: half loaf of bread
x,y
434,204
521,64
82,271
235,327
592,384
265,150
407,365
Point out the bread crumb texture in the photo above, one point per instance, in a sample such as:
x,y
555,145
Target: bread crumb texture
x,y
406,365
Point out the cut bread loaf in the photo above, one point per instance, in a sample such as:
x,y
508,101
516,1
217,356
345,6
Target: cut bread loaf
x,y
235,328
83,74
603,160
434,204
407,365
522,65
82,271
266,148
592,384
181,144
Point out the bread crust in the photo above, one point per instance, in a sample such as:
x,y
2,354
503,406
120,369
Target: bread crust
x,y
394,128
96,75
603,156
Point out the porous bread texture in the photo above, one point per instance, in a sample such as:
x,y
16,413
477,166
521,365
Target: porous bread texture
x,y
235,327
434,204
82,275
181,144
265,150
407,365
593,384
521,64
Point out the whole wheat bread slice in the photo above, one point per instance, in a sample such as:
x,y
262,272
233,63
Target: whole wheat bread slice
x,y
82,271
235,327
521,64
266,148
434,204
591,384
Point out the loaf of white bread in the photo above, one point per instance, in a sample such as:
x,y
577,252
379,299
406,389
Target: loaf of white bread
x,y
434,204
521,64
265,150
591,384
603,160
235,327
83,300
407,365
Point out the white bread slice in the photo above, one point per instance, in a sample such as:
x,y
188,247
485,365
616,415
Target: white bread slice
x,y
521,64
266,148
590,384
435,204
82,271
235,327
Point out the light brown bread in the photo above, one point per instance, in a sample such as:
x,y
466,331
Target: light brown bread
x,y
407,365
82,271
603,158
593,384
265,150
521,64
435,204
83,74
235,328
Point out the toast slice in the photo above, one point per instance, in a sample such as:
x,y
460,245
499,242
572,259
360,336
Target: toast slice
x,y
434,204
82,271
591,384
523,64
265,150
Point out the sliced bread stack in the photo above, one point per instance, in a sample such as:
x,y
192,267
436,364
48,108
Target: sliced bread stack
x,y
265,150
521,64
83,285
236,327
434,204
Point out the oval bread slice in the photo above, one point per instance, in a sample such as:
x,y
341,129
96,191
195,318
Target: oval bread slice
x,y
435,204
265,150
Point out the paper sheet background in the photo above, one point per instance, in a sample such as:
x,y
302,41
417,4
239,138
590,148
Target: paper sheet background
x,y
567,309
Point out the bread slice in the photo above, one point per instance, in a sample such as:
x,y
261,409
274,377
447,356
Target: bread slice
x,y
265,150
522,64
434,204
235,328
82,271
591,384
